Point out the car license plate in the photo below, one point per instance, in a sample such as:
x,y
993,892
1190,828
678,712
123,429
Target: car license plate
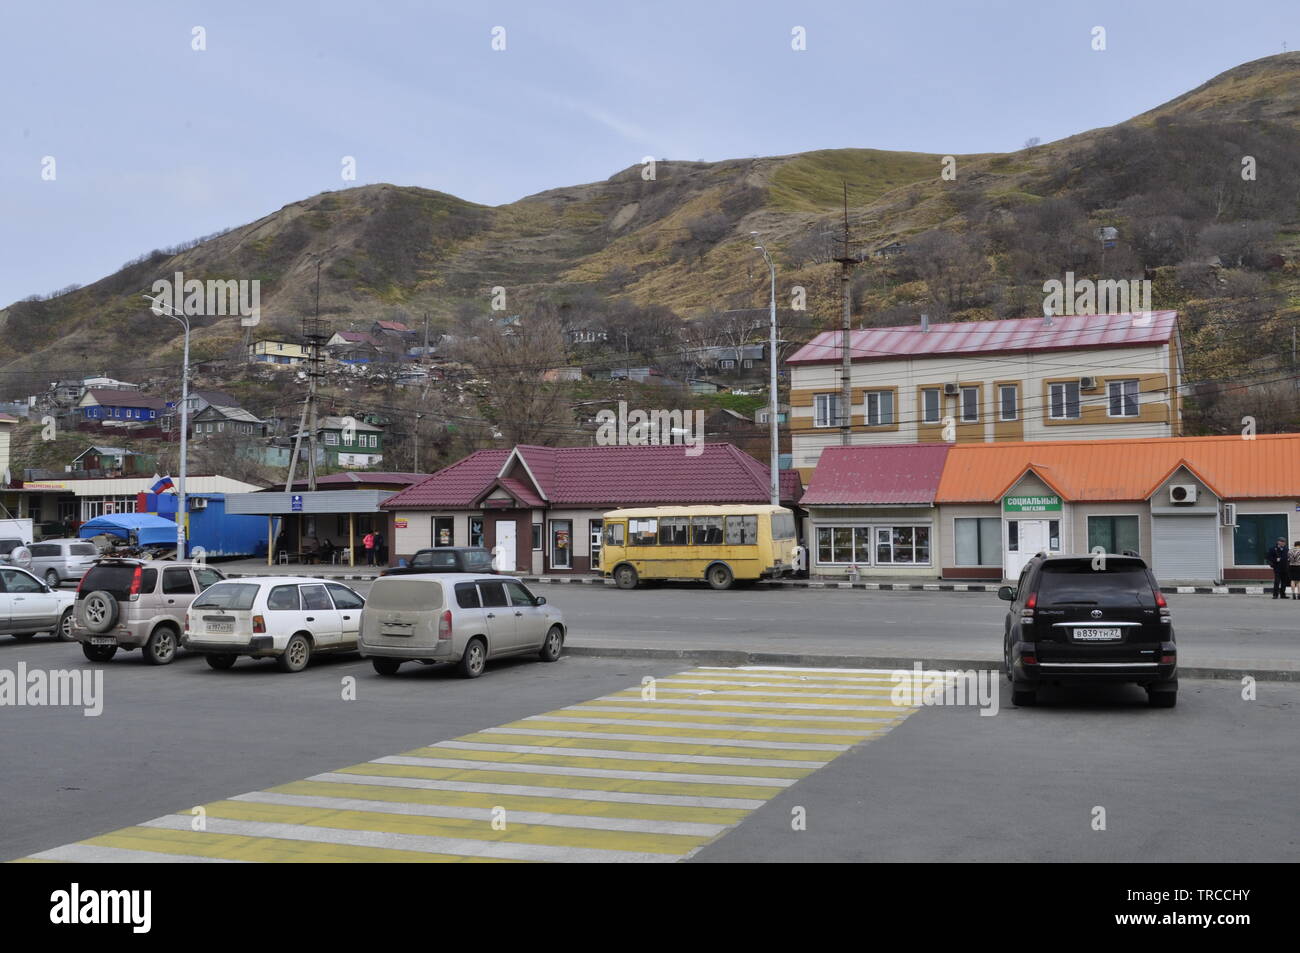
x,y
221,627
1097,635
103,641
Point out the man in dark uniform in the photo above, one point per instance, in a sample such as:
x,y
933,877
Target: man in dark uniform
x,y
1279,560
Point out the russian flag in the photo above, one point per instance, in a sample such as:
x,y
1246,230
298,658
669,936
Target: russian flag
x,y
163,484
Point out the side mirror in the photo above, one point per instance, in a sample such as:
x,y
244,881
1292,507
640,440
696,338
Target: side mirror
x,y
541,601
1007,594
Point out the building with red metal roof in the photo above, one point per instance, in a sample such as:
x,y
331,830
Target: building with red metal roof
x,y
546,503
1061,378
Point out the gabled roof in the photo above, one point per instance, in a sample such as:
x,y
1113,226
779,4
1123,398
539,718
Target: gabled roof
x,y
123,398
1232,467
357,337
392,325
218,397
1015,335
598,477
229,413
891,474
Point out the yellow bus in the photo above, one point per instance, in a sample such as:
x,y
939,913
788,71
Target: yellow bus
x,y
719,544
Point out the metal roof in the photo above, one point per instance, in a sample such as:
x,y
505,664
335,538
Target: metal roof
x,y
892,474
1069,332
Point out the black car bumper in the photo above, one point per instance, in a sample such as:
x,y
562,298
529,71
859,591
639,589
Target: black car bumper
x,y
1037,663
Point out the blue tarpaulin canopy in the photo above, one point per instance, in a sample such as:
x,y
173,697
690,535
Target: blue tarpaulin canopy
x,y
150,530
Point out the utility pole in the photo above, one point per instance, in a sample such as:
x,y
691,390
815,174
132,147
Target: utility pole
x,y
774,459
847,261
314,334
426,336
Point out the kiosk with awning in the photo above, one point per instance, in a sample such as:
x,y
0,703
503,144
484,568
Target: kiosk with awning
x,y
334,516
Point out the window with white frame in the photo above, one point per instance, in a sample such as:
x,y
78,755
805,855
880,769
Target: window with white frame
x,y
970,405
1008,402
873,545
842,545
880,408
902,545
1123,398
1064,400
331,439
826,411
931,404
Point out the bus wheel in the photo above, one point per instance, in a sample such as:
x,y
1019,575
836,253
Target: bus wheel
x,y
625,577
719,576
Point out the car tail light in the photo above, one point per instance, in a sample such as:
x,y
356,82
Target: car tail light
x,y
444,625
1027,613
259,624
1168,659
1029,660
1161,602
187,622
136,579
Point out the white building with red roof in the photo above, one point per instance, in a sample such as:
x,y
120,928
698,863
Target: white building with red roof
x,y
1078,377
546,504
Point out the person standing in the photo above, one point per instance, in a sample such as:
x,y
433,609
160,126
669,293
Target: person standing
x,y
1294,558
1279,560
368,541
381,548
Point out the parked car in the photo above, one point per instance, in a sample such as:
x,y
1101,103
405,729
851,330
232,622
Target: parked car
x,y
14,552
462,618
1088,619
135,603
288,618
55,560
473,559
29,606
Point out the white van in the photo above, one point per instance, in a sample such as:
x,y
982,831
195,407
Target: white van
x,y
456,617
288,618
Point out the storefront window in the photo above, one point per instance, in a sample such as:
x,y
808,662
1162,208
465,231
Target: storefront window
x,y
1254,535
978,541
893,545
1114,534
476,531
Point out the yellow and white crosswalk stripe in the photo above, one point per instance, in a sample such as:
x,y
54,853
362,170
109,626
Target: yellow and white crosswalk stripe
x,y
624,777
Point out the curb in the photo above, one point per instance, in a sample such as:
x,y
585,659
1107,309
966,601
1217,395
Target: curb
x,y
740,657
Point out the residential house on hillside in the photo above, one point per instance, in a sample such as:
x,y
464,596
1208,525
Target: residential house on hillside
x,y
1077,377
120,408
285,353
114,461
215,421
351,443
353,347
106,383
546,505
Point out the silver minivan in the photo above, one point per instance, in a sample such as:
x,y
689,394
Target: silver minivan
x,y
462,618
58,560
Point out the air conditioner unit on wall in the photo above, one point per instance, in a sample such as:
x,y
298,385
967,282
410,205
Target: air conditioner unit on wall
x,y
1229,514
950,390
198,502
1087,383
1182,494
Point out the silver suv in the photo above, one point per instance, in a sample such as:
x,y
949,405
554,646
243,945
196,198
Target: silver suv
x,y
137,604
456,617
56,560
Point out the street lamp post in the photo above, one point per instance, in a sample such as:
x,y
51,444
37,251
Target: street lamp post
x,y
185,422
774,456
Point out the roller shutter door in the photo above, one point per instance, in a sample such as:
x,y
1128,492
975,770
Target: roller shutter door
x,y
1186,548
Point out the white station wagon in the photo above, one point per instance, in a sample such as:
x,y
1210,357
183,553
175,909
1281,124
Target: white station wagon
x,y
288,618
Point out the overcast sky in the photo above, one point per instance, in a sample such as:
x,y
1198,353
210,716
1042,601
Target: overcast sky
x,y
155,142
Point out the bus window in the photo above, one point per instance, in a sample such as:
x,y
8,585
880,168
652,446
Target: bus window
x,y
783,526
643,531
613,534
673,530
742,530
706,530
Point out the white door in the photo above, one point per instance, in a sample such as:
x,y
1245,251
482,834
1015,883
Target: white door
x,y
1031,537
320,618
31,608
503,554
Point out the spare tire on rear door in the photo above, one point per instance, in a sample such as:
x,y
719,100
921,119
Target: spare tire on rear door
x,y
100,611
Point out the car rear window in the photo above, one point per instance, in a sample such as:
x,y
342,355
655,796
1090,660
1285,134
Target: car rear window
x,y
116,579
405,595
82,549
1078,583
434,560
477,561
227,595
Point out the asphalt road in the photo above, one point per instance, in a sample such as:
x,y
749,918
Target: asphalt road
x,y
1236,630
1213,779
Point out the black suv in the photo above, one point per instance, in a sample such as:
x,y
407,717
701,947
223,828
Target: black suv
x,y
1091,618
446,559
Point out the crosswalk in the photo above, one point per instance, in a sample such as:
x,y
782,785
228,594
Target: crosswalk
x,y
651,773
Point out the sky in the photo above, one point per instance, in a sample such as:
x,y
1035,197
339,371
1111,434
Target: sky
x,y
155,142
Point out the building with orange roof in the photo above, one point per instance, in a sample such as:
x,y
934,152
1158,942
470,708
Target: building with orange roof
x,y
1197,509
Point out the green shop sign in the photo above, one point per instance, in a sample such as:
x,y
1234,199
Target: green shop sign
x,y
1031,504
